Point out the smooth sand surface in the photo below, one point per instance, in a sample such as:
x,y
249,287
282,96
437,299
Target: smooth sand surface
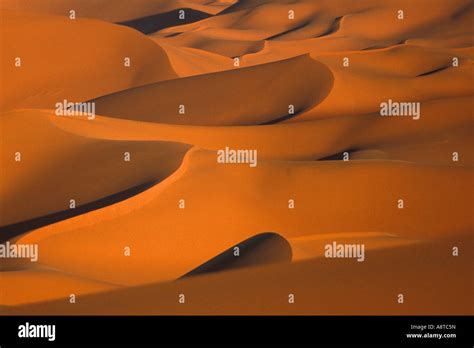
x,y
167,221
59,56
114,11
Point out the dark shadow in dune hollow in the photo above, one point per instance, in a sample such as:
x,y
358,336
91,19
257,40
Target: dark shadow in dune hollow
x,y
335,25
261,249
151,24
338,156
276,36
434,71
9,231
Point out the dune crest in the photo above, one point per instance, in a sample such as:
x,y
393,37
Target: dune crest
x,y
235,97
354,191
113,11
44,78
344,126
261,249
33,134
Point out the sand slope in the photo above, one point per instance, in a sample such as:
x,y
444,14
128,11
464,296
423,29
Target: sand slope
x,y
85,61
56,167
319,287
387,138
361,206
241,96
167,222
113,11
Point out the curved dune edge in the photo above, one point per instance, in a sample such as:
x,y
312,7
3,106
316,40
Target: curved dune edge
x,y
257,251
110,212
108,10
95,68
408,72
320,287
156,243
155,22
330,25
234,97
301,158
261,249
188,61
427,72
219,46
366,136
78,168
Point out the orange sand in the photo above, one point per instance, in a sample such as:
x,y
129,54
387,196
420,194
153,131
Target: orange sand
x,y
283,62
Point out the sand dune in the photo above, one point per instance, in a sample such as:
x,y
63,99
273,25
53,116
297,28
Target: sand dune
x,y
313,246
48,285
94,169
261,249
46,77
190,61
365,208
319,287
159,21
167,221
113,11
394,139
333,25
302,83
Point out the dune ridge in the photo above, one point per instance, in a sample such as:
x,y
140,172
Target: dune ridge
x,y
261,249
241,103
41,81
301,83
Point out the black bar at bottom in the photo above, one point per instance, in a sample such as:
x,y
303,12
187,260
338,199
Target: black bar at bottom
x,y
454,330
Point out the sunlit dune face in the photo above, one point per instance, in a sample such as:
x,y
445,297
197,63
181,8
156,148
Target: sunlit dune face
x,y
236,157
